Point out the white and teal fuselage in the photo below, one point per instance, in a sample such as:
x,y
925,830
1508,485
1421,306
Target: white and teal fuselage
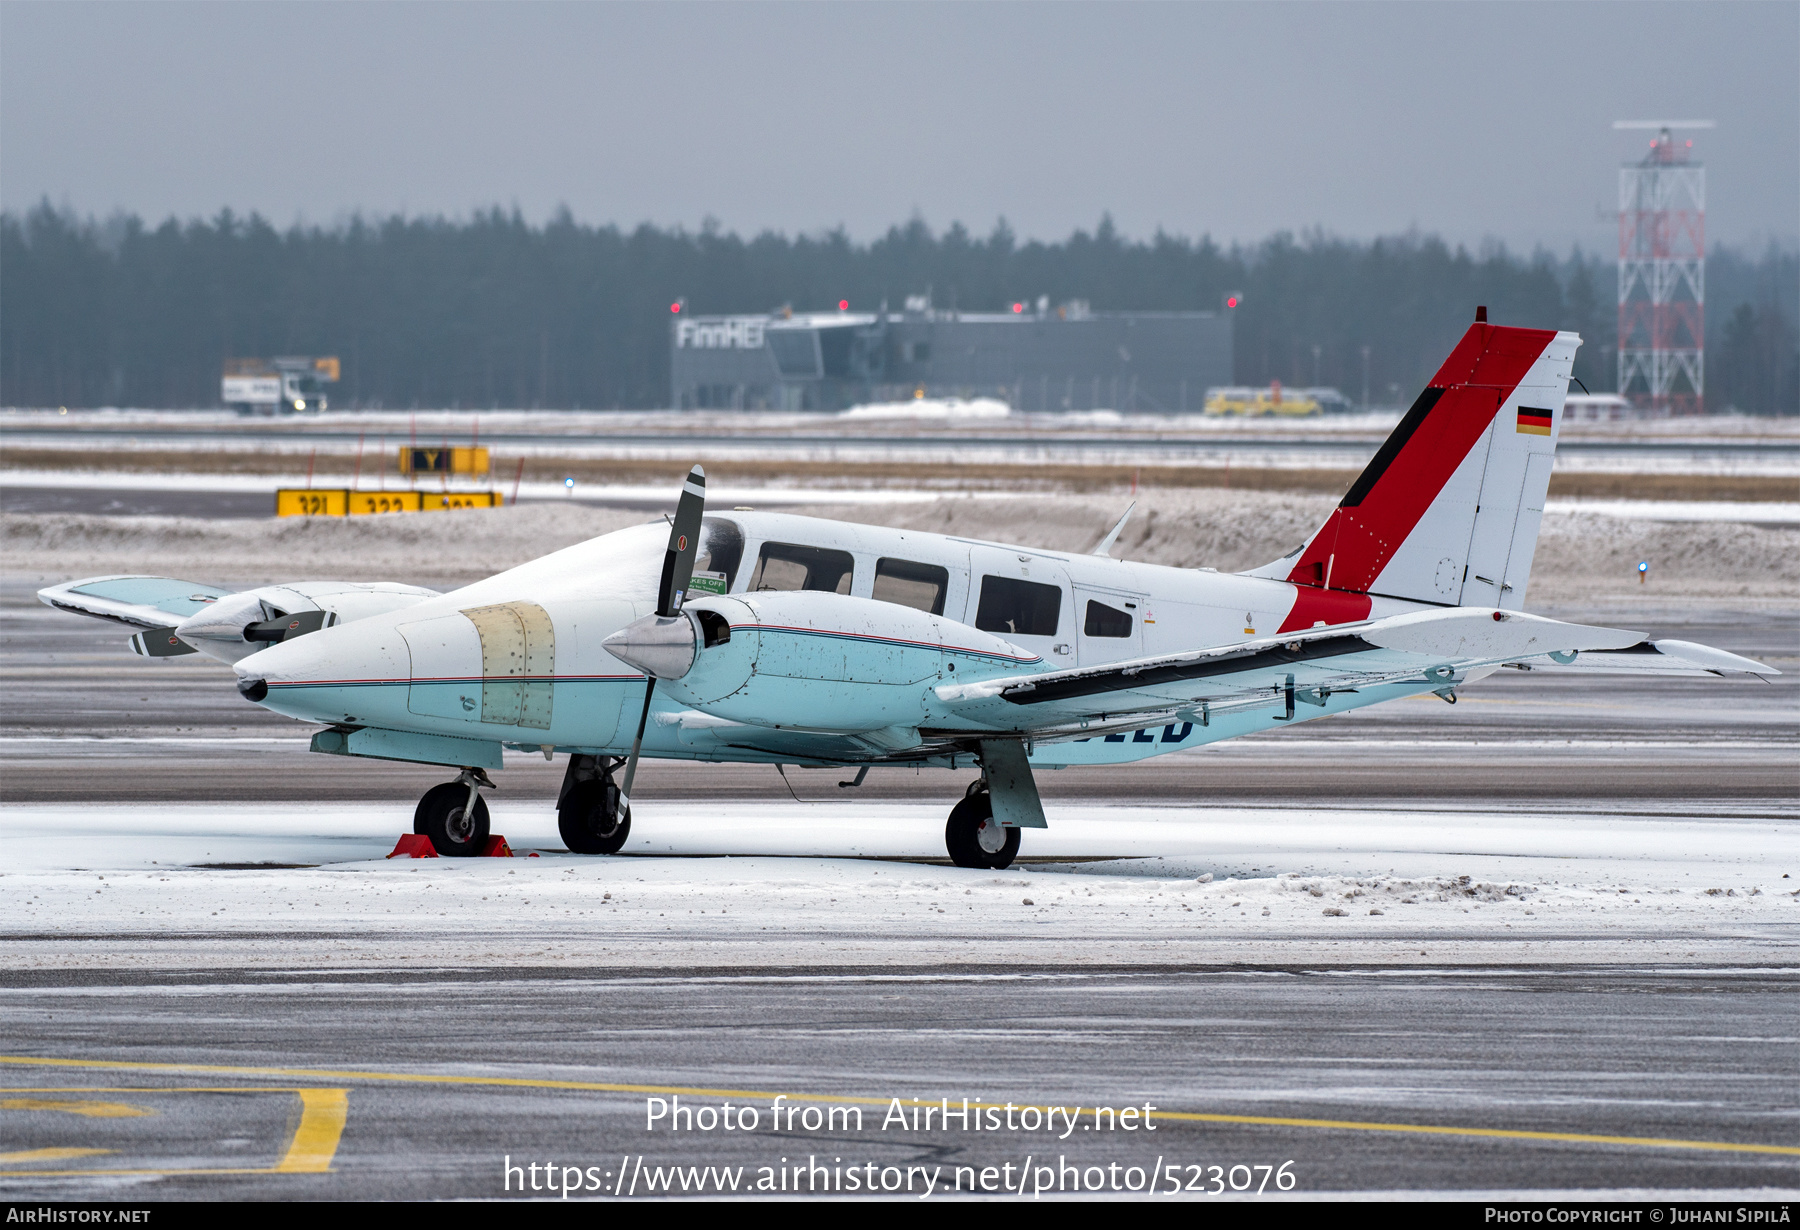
x,y
516,660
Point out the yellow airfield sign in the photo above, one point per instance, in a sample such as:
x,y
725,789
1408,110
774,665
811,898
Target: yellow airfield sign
x,y
444,460
439,501
364,503
337,502
319,502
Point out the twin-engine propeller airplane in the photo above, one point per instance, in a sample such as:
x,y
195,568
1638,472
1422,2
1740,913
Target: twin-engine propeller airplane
x,y
777,639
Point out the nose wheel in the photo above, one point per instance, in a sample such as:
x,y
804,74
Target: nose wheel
x,y
975,839
455,816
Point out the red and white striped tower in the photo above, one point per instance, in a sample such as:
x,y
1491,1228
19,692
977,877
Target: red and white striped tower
x,y
1662,272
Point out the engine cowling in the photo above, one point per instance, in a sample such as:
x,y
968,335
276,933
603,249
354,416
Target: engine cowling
x,y
811,661
238,625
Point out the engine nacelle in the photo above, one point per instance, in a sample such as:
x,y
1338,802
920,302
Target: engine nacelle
x,y
808,660
237,625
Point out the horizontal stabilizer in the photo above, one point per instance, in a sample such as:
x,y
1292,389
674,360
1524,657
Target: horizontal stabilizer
x,y
1488,634
1653,658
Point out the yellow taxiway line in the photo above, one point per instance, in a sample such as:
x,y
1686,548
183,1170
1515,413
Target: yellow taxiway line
x,y
315,1141
516,1082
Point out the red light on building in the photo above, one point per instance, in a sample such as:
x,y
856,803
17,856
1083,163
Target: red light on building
x,y
675,308
1231,302
1018,307
843,305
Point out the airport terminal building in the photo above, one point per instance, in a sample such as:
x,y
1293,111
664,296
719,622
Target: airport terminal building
x,y
1033,358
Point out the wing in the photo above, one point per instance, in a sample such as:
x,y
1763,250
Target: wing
x,y
1420,652
138,602
180,617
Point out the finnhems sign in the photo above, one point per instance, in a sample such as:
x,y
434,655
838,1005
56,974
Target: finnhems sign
x,y
720,333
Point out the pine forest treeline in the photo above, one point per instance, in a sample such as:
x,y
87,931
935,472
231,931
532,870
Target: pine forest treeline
x,y
495,312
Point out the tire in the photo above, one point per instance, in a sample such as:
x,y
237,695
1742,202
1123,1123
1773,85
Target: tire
x,y
439,817
590,820
963,833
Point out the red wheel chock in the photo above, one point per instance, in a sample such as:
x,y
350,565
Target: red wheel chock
x,y
417,845
414,845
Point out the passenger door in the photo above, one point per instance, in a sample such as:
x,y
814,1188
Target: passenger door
x,y
1111,625
1025,599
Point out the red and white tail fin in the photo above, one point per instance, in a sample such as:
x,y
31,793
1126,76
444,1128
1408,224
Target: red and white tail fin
x,y
1448,510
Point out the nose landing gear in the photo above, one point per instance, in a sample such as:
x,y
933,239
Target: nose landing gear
x,y
455,816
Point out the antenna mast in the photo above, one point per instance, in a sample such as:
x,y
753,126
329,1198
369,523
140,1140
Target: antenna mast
x,y
1662,272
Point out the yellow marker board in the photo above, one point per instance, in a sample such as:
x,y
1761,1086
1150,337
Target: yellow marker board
x,y
336,502
322,502
439,501
364,503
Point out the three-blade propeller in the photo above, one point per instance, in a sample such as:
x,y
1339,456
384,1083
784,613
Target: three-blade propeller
x,y
677,571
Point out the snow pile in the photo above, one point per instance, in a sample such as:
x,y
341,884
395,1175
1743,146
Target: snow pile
x,y
439,547
1579,555
943,409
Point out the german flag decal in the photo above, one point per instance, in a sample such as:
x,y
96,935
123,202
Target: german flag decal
x,y
1534,421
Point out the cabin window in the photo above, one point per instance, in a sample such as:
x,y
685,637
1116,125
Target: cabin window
x,y
905,583
787,566
1018,608
1103,620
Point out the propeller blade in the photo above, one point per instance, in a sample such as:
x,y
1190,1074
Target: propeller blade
x,y
684,544
678,570
287,627
159,643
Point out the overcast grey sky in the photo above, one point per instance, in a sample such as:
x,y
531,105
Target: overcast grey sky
x,y
1472,120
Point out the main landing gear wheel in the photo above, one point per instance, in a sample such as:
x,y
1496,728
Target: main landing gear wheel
x,y
975,839
456,829
591,820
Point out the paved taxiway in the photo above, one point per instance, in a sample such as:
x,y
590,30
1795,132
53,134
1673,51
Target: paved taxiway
x,y
1700,1056
1588,1030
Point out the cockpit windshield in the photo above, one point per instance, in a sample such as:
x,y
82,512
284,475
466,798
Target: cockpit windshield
x,y
721,551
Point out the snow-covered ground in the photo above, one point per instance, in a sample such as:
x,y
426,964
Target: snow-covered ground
x,y
1135,878
937,408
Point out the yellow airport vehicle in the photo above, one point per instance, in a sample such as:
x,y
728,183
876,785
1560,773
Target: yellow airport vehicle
x,y
444,460
1255,403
